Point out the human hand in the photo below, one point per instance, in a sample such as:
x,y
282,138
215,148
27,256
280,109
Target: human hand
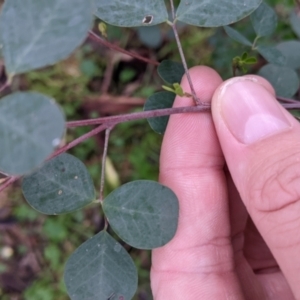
x,y
217,252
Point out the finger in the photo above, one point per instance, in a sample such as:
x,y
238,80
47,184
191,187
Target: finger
x,y
261,144
198,262
251,287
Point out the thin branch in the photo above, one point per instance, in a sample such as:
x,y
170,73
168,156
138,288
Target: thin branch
x,y
107,133
80,140
287,100
253,47
291,106
98,39
67,147
173,25
4,86
172,10
109,122
8,182
107,75
139,115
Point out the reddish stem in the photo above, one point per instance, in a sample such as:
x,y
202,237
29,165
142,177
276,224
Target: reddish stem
x,y
139,115
98,39
80,140
8,182
4,86
111,121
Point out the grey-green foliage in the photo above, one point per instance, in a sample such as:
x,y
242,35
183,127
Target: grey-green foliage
x,y
264,20
214,13
37,33
237,36
284,80
170,71
31,127
61,185
131,13
100,269
204,13
272,55
283,58
291,50
295,22
143,213
159,100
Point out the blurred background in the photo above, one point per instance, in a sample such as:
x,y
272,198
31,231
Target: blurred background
x,y
96,81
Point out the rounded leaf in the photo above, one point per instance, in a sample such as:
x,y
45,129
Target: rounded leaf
x,y
159,100
31,127
100,269
170,71
61,185
143,213
212,13
284,80
295,22
264,20
131,13
40,33
237,36
272,55
291,50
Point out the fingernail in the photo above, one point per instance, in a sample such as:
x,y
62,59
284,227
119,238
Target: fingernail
x,y
250,112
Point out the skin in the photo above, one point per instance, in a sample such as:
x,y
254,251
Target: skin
x,y
238,235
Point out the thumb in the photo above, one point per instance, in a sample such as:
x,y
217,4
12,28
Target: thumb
x,y
261,144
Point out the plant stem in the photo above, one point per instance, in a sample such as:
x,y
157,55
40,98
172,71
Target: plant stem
x,y
98,39
173,25
8,182
139,115
4,86
80,139
102,181
162,112
287,100
253,47
291,106
172,10
72,144
109,122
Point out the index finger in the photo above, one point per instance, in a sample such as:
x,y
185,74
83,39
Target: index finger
x,y
191,165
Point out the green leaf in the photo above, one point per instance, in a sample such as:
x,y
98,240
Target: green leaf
x,y
250,60
158,101
272,55
291,50
178,89
169,89
31,127
295,22
211,13
244,56
264,20
284,80
237,36
131,13
38,33
170,71
143,213
100,269
61,185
